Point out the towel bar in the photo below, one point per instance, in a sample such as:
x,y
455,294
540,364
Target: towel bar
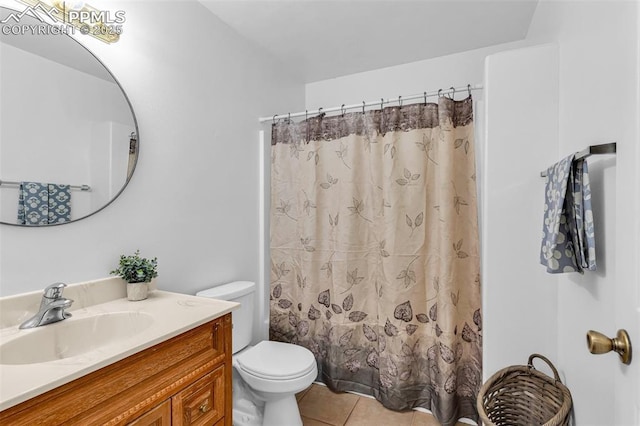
x,y
605,148
12,183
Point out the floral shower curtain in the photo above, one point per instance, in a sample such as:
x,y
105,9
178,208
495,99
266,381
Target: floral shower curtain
x,y
375,253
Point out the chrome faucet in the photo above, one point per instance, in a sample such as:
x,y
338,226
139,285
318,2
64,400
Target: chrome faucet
x,y
52,307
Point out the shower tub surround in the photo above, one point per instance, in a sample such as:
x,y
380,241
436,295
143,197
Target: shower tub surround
x,y
127,328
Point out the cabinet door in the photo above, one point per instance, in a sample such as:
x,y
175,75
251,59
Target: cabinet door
x,y
202,403
159,416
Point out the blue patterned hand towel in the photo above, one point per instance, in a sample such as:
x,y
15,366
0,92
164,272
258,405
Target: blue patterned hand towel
x,y
43,203
568,242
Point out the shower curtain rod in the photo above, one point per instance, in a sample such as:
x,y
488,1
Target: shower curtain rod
x,y
381,102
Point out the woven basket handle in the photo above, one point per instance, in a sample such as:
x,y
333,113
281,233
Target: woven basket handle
x,y
545,359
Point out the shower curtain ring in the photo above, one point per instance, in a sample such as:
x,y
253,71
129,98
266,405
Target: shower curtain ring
x,y
363,104
400,101
289,118
469,89
439,93
342,110
381,103
274,118
320,112
306,114
425,98
453,93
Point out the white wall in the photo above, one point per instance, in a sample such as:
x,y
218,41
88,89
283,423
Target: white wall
x,y
519,298
598,98
597,102
407,79
109,161
197,89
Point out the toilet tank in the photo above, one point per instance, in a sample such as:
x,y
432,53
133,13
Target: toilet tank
x,y
242,318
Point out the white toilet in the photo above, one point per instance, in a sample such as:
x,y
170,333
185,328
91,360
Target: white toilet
x,y
266,376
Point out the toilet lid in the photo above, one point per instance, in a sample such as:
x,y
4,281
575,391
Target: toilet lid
x,y
276,360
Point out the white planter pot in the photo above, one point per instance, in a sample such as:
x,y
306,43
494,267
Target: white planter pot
x,y
137,291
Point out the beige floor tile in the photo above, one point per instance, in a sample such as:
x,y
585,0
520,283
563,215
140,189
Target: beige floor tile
x,y
311,422
424,419
319,403
300,394
369,412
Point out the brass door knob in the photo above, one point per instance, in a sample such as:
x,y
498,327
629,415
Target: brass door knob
x,y
598,343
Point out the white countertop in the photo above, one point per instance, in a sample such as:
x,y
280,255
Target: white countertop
x,y
172,313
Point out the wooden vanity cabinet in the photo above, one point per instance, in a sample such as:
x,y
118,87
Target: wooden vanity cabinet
x,y
184,381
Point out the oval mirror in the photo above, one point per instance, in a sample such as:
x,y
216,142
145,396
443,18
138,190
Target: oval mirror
x,y
69,138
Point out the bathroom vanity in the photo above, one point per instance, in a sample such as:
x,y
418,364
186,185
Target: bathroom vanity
x,y
167,363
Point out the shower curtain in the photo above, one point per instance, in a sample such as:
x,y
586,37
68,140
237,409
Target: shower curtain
x,y
375,254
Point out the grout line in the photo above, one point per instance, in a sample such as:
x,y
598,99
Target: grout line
x,y
304,393
351,412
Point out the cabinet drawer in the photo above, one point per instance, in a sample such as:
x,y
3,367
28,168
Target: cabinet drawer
x,y
159,416
202,403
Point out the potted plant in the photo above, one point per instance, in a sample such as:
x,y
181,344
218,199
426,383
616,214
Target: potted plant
x,y
138,273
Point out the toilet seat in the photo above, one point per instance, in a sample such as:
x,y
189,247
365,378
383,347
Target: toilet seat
x,y
277,361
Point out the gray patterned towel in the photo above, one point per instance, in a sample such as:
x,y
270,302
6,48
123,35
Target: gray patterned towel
x,y
43,203
568,242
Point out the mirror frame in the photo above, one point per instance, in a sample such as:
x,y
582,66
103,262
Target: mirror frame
x,y
137,130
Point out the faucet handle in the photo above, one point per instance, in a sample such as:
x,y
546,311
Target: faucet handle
x,y
54,291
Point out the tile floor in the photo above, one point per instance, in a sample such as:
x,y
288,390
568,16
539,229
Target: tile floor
x,y
321,407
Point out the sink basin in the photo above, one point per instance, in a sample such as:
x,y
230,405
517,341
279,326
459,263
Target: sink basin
x,y
72,337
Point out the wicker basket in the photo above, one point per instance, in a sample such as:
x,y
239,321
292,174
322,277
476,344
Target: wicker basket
x,y
521,395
